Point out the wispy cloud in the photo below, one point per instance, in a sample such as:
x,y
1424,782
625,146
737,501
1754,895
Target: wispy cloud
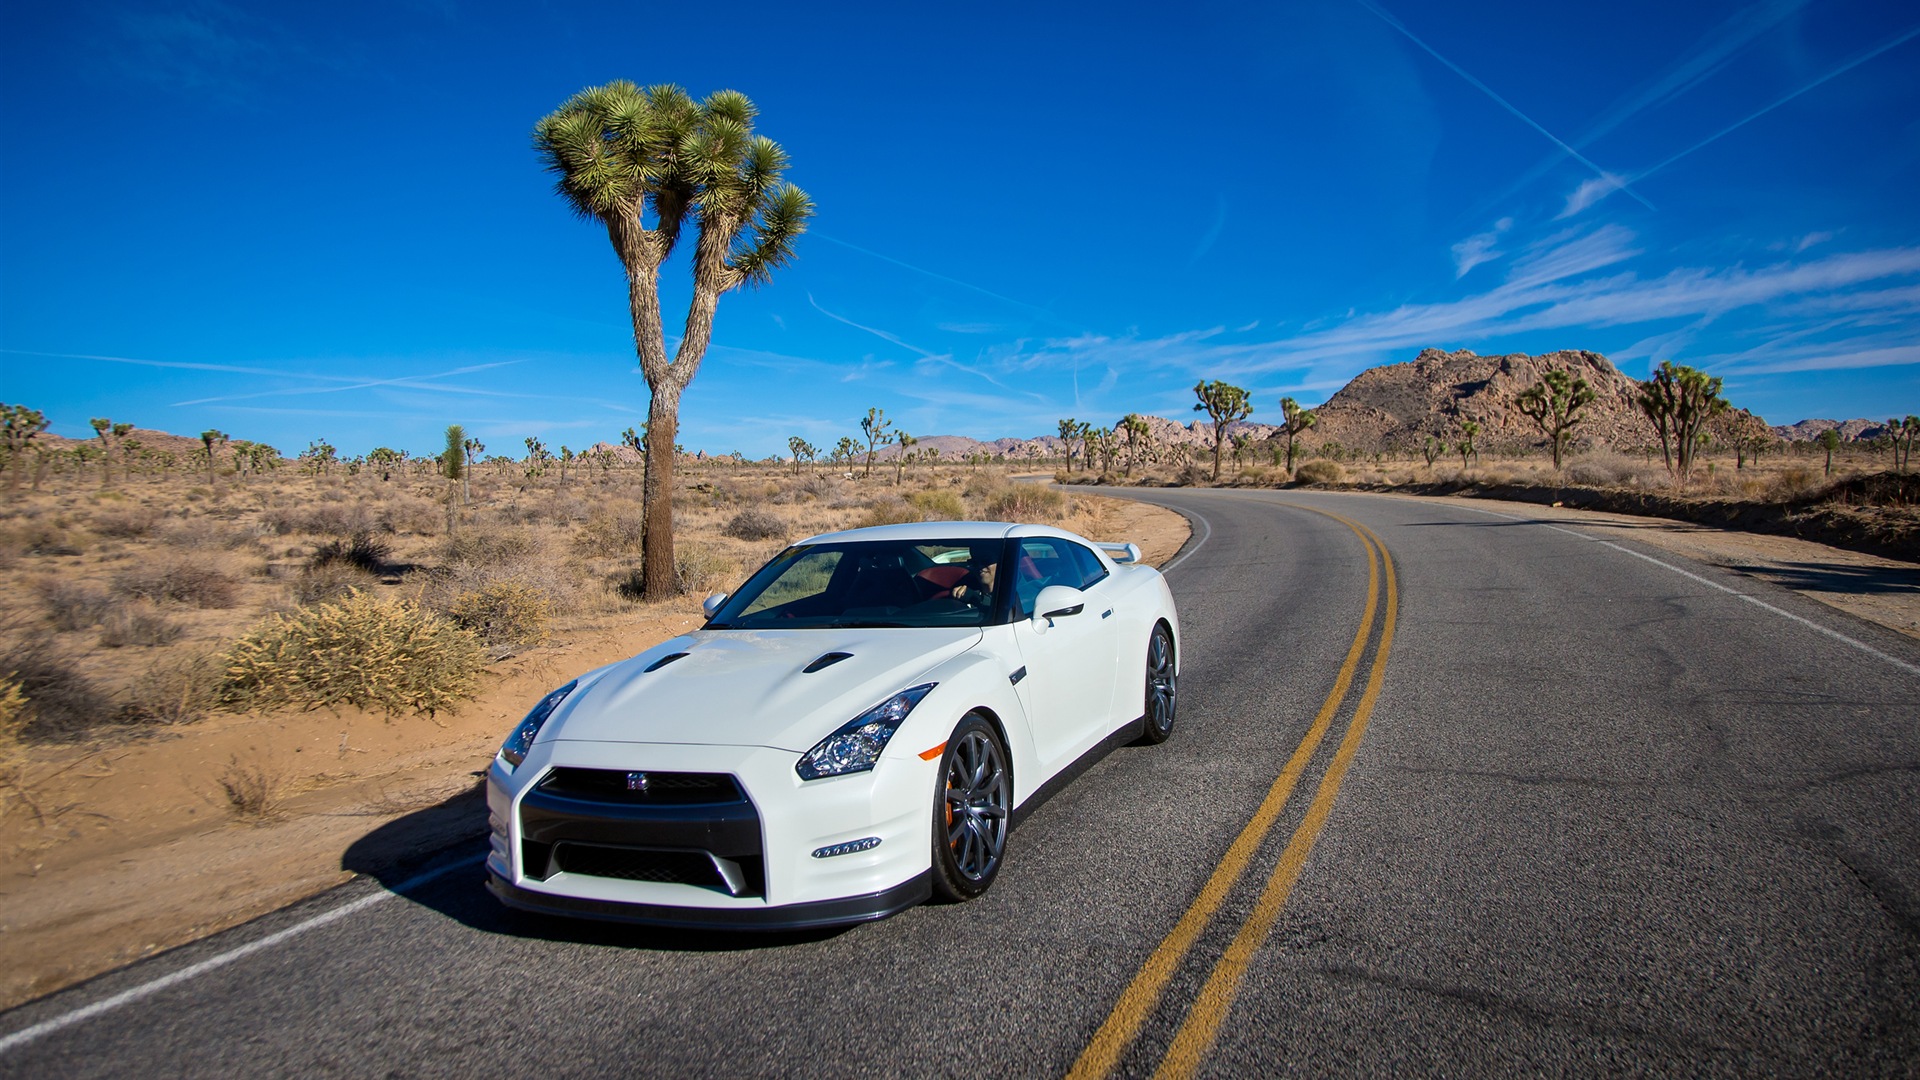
x,y
1043,313
1590,191
412,382
1479,248
1810,240
1546,291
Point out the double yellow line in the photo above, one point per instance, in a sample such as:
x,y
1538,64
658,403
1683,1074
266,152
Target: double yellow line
x,y
1209,1009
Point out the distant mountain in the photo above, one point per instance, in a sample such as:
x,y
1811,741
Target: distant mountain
x,y
1850,430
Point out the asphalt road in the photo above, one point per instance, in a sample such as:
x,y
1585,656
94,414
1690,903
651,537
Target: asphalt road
x,y
1602,812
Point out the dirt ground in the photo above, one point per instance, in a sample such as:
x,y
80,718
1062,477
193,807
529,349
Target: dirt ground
x,y
133,847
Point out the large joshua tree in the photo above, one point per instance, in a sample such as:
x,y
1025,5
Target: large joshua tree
x,y
644,163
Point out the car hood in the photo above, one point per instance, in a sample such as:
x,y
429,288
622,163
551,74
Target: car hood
x,y
750,687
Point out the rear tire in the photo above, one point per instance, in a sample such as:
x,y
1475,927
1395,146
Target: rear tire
x,y
972,810
1163,688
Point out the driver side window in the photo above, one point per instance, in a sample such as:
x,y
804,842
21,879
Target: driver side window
x,y
1041,561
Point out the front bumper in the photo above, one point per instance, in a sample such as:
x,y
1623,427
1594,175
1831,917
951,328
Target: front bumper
x,y
742,861
819,913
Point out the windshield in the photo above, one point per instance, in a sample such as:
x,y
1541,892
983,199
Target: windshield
x,y
869,583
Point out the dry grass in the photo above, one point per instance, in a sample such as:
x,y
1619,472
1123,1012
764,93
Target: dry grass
x,y
254,790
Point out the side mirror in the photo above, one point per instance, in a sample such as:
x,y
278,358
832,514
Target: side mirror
x,y
1056,602
712,603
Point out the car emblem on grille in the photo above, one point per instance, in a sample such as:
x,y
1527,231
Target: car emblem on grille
x,y
637,781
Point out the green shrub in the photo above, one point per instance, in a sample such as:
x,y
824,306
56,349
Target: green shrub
x,y
363,651
504,613
937,504
1025,502
890,512
1320,471
701,569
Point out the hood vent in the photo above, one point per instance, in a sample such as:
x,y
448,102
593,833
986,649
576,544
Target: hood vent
x,y
825,660
664,661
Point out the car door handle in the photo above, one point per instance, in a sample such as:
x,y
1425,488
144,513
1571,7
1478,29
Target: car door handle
x,y
1106,613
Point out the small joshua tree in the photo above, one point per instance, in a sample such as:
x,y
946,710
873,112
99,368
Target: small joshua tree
x,y
1432,450
18,426
1830,441
1223,403
874,426
1464,444
1554,404
1680,401
1295,423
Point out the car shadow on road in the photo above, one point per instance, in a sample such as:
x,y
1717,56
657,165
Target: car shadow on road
x,y
453,831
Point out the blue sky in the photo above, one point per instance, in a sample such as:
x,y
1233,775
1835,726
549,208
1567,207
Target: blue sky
x,y
301,221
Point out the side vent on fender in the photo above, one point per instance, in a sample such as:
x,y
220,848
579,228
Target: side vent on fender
x,y
825,660
663,661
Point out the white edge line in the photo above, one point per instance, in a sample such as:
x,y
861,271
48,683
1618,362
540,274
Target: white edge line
x,y
1836,635
127,997
1204,537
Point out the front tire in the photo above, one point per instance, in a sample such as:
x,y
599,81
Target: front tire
x,y
1163,688
972,809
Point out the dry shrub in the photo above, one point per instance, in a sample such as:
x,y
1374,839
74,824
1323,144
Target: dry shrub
x,y
1795,482
1320,471
938,505
421,517
129,524
360,549
363,651
329,582
700,568
612,530
504,613
71,605
326,518
174,690
184,580
61,702
754,523
809,488
136,624
202,534
254,790
890,512
490,545
50,537
13,745
1024,502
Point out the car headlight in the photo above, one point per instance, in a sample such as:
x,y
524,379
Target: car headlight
x,y
514,750
855,747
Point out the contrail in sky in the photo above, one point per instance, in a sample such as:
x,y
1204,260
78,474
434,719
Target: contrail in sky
x,y
1503,102
1738,124
938,277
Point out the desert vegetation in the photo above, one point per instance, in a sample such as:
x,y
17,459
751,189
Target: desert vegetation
x,y
147,601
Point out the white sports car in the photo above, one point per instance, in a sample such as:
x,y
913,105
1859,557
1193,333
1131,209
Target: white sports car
x,y
854,731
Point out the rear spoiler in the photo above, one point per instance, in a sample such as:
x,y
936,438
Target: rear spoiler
x,y
1121,553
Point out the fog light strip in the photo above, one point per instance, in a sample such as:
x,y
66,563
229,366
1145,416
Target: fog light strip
x,y
847,848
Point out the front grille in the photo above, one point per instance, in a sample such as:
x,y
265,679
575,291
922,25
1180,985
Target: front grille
x,y
631,864
662,788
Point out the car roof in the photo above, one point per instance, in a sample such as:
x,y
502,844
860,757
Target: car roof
x,y
943,530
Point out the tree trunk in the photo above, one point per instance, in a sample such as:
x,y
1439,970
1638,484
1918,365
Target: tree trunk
x,y
659,579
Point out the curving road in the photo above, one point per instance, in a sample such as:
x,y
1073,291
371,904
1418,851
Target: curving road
x,y
1451,793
